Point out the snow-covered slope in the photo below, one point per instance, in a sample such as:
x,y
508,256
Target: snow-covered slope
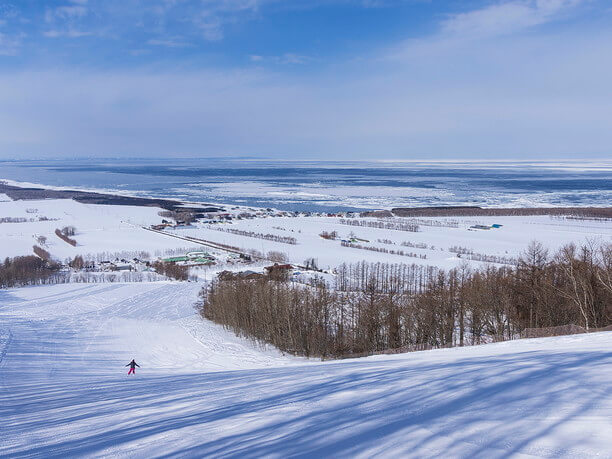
x,y
201,391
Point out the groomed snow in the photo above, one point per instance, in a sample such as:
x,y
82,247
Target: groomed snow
x,y
201,391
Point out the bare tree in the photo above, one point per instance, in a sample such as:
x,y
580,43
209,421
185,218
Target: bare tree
x,y
277,257
68,231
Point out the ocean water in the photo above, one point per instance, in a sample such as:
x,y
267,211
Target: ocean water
x,y
332,186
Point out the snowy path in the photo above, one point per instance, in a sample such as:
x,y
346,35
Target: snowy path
x,y
201,391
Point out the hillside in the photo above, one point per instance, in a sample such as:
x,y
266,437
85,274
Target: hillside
x,y
201,391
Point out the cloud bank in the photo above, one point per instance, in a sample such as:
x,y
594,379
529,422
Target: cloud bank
x,y
491,83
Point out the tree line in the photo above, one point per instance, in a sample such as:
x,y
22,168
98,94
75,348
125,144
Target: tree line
x,y
27,270
377,307
268,237
382,224
474,211
383,250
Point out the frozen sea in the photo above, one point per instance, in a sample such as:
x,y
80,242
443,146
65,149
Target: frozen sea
x,y
331,186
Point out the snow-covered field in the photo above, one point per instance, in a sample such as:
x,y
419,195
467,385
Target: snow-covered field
x,y
100,228
508,241
201,391
111,229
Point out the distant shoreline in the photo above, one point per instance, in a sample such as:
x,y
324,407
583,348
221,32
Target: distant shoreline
x,y
25,193
467,211
28,193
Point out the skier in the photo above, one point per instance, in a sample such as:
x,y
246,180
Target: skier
x,y
132,366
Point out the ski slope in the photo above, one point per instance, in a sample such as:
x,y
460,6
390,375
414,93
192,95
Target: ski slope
x,y
201,391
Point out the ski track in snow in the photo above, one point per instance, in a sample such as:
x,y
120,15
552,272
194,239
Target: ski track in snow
x,y
201,391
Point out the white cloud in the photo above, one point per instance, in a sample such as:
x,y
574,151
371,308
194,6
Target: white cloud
x,y
71,11
480,28
469,90
67,20
8,11
69,33
65,13
139,52
210,24
517,99
10,44
286,58
506,17
169,42
208,16
373,3
214,15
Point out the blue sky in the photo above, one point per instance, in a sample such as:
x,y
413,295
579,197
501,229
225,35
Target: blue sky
x,y
333,79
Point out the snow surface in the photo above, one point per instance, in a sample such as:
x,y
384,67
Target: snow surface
x,y
201,391
100,228
508,241
112,229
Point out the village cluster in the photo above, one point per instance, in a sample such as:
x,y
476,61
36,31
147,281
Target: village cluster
x,y
197,242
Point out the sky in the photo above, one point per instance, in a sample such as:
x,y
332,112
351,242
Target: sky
x,y
306,79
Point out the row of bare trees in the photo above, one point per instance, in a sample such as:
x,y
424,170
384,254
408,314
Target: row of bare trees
x,y
110,277
390,224
382,307
266,236
383,250
24,220
65,233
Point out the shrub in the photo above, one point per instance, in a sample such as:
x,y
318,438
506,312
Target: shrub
x,y
278,257
77,262
330,236
42,253
68,230
172,270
